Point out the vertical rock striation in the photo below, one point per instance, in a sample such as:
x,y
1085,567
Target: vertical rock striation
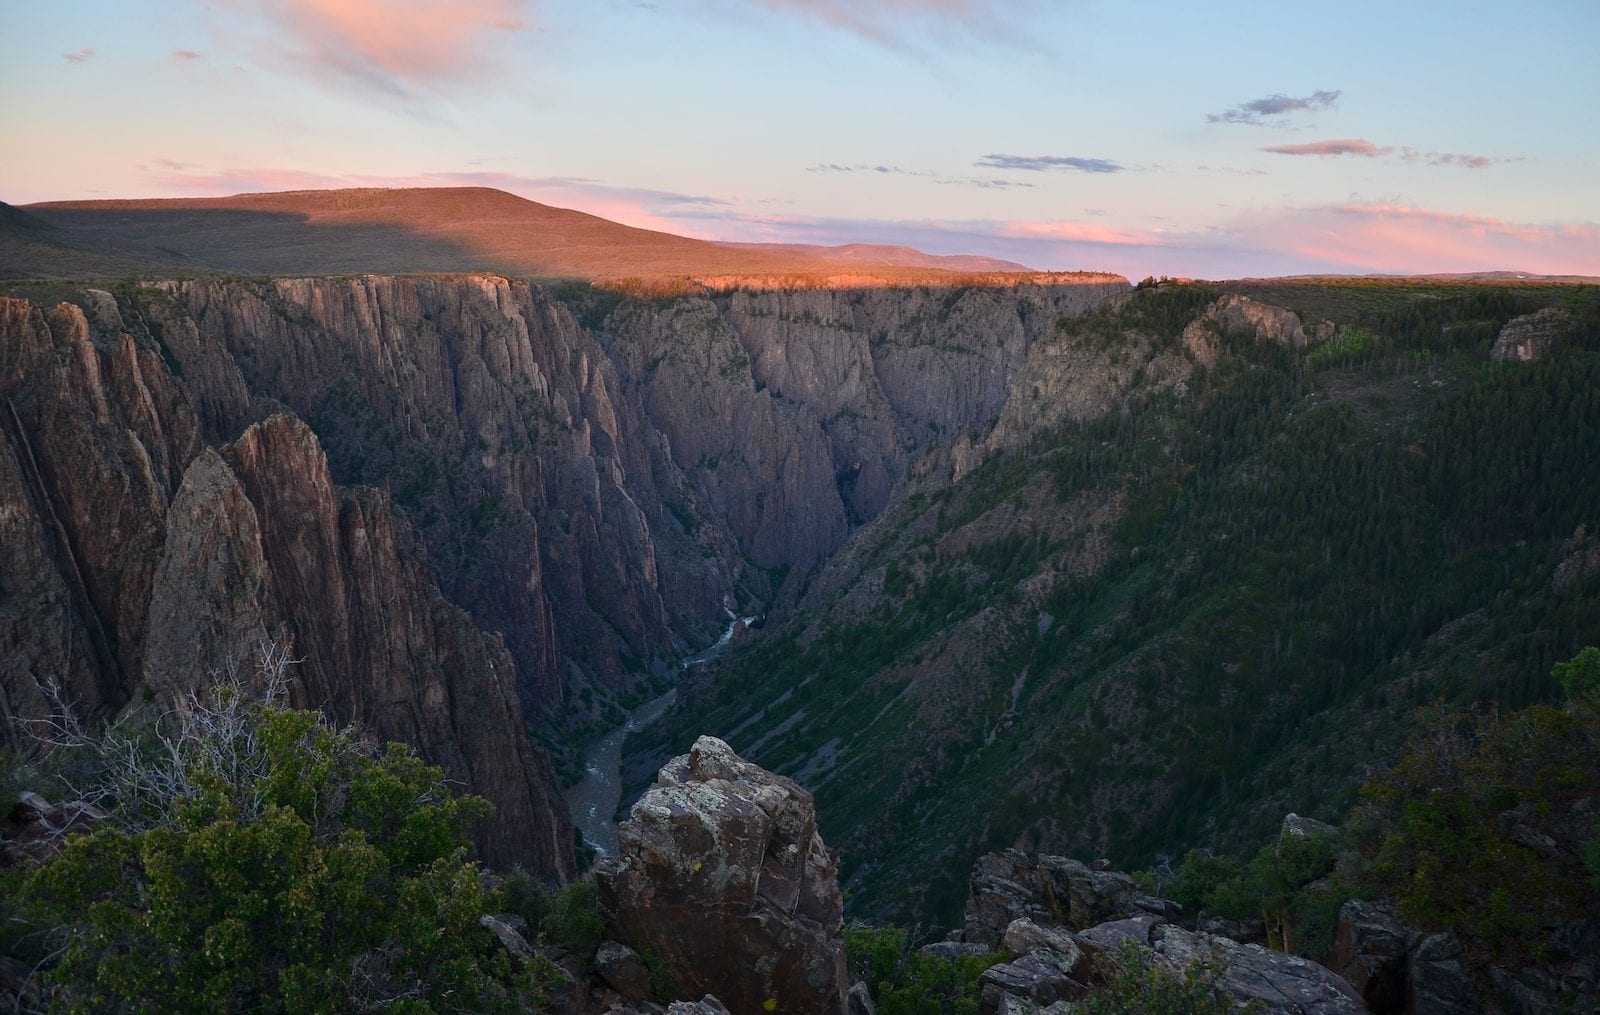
x,y
467,510
135,555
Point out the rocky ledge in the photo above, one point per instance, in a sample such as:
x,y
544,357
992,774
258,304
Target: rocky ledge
x,y
723,890
1052,916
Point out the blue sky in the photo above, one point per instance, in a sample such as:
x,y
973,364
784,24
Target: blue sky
x,y
1212,140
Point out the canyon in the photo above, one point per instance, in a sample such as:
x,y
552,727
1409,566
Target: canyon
x,y
981,558
481,525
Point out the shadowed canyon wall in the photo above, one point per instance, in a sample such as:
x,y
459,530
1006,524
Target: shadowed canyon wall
x,y
474,506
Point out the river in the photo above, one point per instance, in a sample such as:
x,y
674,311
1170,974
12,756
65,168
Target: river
x,y
592,801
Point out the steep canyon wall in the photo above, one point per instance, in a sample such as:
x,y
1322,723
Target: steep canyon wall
x,y
474,505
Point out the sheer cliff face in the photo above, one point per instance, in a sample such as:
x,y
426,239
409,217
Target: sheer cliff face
x,y
96,436
260,539
798,412
492,417
135,556
469,511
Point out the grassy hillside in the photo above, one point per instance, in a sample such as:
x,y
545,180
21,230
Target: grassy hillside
x,y
30,247
442,229
1167,624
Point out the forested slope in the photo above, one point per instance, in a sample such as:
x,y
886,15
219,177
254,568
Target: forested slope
x,y
1214,592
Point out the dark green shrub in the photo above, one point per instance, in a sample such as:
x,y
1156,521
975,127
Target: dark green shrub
x,y
524,895
573,919
906,982
1283,886
1579,675
1214,885
291,867
1449,830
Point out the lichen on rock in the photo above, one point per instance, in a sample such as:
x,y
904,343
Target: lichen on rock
x,y
722,876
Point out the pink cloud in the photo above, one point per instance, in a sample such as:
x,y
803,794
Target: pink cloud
x,y
1079,232
393,46
181,55
81,56
1048,245
1323,149
176,178
1403,239
1372,238
1366,149
890,21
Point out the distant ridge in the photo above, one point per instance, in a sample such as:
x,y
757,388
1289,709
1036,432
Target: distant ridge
x,y
1463,276
886,255
457,229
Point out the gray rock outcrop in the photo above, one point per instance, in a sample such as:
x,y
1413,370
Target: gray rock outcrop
x,y
1531,336
1437,978
1267,323
721,874
1277,981
1069,919
1050,890
1400,970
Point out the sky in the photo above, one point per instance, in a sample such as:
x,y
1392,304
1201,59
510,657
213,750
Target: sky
x,y
1208,140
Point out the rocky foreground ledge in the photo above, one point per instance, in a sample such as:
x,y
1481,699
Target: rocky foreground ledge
x,y
1052,915
723,886
723,890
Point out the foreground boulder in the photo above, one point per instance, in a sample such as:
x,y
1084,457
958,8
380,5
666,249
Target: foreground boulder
x,y
721,875
623,970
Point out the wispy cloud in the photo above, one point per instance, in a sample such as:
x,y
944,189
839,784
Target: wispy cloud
x,y
1275,107
1068,231
861,167
945,179
1450,159
398,48
83,55
1325,149
182,55
1366,149
1048,163
1231,170
895,23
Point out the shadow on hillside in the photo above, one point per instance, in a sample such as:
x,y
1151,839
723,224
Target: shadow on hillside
x,y
236,241
455,234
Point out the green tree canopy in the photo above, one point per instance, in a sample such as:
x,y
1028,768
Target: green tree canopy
x,y
1579,675
293,867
